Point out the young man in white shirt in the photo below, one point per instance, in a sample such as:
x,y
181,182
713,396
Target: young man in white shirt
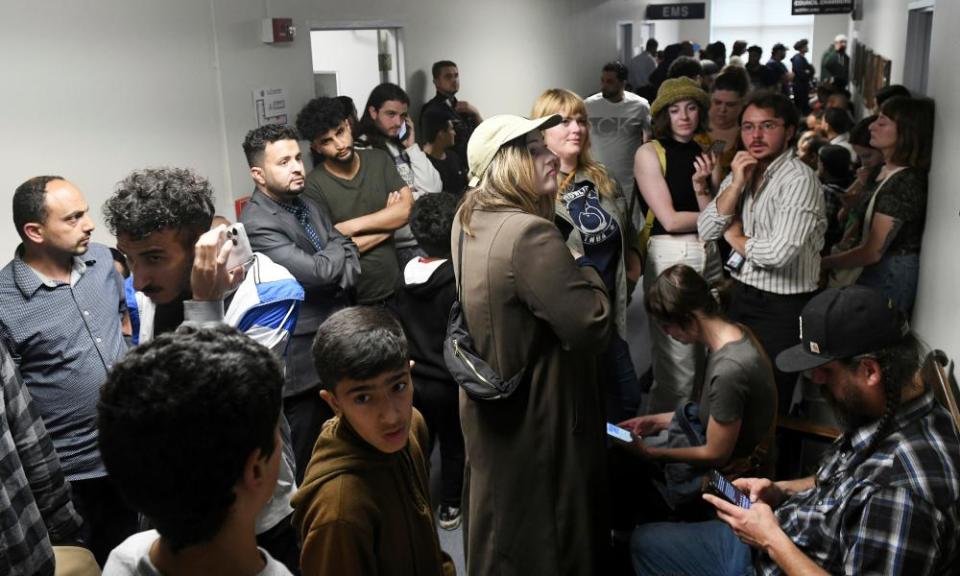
x,y
619,124
189,431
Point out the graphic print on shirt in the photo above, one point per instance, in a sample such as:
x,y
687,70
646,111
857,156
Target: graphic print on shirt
x,y
593,222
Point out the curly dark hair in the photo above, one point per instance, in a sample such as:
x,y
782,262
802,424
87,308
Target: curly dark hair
x,y
319,116
360,343
431,220
179,417
685,66
258,138
156,199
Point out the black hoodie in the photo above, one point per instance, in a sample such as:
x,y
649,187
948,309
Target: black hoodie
x,y
423,305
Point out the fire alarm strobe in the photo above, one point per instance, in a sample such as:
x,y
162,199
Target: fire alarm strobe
x,y
278,30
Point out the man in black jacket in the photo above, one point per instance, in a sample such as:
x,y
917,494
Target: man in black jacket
x,y
465,116
297,233
423,305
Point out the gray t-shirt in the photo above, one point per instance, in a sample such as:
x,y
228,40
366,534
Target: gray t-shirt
x,y
132,558
364,194
739,385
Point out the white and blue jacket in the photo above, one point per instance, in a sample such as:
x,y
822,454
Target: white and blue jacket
x,y
264,307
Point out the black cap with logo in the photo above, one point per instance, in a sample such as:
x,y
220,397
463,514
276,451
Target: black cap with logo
x,y
841,323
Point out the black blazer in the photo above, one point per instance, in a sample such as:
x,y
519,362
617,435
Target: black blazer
x,y
328,276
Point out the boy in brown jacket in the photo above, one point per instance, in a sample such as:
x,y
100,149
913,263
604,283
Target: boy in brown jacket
x,y
364,504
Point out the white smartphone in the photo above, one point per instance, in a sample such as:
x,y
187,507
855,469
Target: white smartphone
x,y
619,433
403,131
241,253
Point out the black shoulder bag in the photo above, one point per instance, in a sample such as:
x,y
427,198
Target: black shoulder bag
x,y
471,372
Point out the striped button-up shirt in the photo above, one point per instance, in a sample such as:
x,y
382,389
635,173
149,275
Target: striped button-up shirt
x,y
895,511
35,507
784,221
64,338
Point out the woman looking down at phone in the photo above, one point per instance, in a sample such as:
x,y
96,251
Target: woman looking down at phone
x,y
673,175
592,215
737,404
535,460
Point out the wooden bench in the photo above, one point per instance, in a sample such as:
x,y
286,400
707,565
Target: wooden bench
x,y
806,427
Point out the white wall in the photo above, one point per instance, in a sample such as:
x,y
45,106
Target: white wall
x,y
884,30
96,88
90,94
353,55
937,316
825,29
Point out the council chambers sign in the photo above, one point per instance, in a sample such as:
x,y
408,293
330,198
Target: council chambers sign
x,y
803,7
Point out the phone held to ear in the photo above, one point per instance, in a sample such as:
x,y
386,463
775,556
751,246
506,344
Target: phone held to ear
x,y
241,253
403,131
716,483
619,433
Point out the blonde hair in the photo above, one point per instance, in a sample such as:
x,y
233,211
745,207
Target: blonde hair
x,y
509,182
560,101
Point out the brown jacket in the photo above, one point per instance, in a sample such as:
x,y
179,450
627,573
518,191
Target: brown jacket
x,y
361,511
535,462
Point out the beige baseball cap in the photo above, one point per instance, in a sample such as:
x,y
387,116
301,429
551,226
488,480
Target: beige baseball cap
x,y
493,133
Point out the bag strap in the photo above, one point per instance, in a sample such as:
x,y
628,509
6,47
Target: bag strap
x,y
868,215
460,267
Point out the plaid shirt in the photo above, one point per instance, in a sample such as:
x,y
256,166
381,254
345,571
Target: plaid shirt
x,y
35,507
896,512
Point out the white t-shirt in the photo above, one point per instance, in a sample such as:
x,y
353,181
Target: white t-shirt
x,y
132,558
616,131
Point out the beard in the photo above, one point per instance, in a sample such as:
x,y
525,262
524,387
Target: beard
x,y
284,191
849,409
342,162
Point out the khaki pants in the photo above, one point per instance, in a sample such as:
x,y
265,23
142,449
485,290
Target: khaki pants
x,y
676,366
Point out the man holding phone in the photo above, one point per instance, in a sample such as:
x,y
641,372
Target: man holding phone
x,y
181,272
386,125
886,498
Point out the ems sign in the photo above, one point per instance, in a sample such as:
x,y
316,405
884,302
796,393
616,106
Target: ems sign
x,y
685,11
821,7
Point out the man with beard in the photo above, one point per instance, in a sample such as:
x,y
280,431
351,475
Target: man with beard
x,y
298,234
179,273
363,193
61,302
619,124
385,125
886,498
770,210
835,65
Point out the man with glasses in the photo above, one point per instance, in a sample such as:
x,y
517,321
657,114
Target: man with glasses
x,y
770,210
886,498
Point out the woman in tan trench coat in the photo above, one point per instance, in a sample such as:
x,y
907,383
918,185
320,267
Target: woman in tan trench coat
x,y
534,482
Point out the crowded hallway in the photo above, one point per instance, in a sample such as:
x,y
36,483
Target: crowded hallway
x,y
575,287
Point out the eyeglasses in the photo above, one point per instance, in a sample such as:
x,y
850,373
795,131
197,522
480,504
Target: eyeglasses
x,y
766,126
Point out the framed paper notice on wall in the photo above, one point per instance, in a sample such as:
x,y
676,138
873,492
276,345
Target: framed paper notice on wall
x,y
270,106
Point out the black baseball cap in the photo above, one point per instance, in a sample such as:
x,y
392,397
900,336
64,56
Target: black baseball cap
x,y
842,323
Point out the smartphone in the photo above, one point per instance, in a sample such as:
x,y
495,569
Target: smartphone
x,y
619,433
403,131
715,482
735,262
717,147
241,253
